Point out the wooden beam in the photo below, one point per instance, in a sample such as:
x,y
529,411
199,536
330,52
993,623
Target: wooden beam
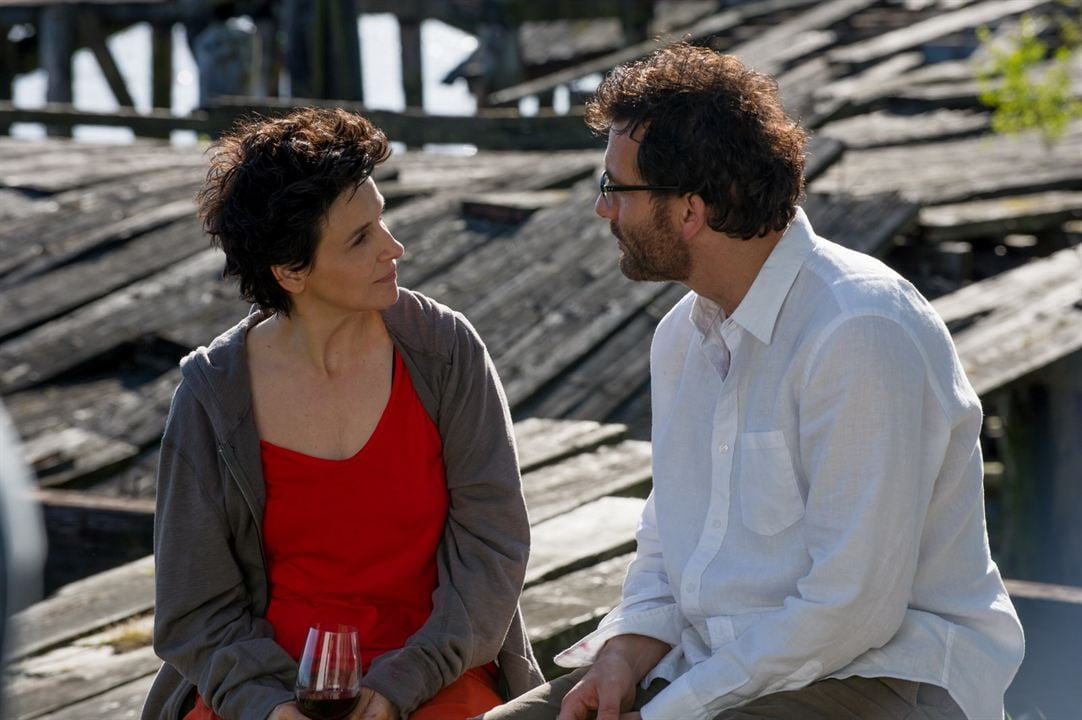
x,y
96,41
701,30
935,27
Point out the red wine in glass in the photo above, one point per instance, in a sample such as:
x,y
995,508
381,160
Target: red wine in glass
x,y
329,675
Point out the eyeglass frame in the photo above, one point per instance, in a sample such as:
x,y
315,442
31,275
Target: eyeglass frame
x,y
605,188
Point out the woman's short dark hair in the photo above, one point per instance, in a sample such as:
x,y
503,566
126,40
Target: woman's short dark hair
x,y
270,184
710,126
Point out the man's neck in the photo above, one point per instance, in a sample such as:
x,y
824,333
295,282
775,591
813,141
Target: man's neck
x,y
725,267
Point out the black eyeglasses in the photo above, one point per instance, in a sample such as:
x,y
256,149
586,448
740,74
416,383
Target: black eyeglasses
x,y
606,187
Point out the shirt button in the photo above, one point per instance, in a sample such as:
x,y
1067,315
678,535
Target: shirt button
x,y
690,587
724,448
717,524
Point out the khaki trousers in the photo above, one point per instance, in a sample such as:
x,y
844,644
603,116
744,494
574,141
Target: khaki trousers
x,y
854,698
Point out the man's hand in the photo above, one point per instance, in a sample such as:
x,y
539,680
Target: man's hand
x,y
286,711
608,688
373,706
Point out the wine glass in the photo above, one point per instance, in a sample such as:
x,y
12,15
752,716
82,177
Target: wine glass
x,y
329,675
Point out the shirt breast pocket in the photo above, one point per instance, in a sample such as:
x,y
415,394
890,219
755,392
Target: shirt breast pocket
x,y
770,500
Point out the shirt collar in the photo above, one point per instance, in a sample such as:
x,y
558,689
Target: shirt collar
x,y
758,311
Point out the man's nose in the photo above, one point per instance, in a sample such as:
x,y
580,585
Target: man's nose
x,y
601,207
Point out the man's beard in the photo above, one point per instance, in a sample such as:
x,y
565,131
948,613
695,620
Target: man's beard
x,y
653,251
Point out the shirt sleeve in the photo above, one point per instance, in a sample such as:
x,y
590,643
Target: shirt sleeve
x,y
869,419
482,557
648,606
204,625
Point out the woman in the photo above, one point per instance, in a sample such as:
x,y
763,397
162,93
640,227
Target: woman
x,y
343,455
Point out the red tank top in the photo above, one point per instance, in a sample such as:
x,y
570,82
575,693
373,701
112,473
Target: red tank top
x,y
354,541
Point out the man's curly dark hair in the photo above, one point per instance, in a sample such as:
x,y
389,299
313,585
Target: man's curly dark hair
x,y
270,184
710,126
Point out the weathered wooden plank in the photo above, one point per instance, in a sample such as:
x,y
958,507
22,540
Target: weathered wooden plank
x,y
863,223
1022,285
122,703
704,28
881,128
851,93
82,607
999,216
543,442
46,296
945,172
84,169
117,318
770,51
1044,591
60,456
93,666
1011,341
613,372
129,405
609,470
583,537
822,151
512,206
931,29
562,611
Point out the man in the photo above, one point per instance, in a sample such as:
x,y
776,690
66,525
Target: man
x,y
815,545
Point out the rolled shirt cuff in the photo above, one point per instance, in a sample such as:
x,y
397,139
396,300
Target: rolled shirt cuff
x,y
665,623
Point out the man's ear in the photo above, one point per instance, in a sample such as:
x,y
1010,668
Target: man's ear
x,y
692,215
292,281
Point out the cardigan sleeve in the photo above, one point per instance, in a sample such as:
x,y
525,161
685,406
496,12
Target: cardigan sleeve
x,y
485,546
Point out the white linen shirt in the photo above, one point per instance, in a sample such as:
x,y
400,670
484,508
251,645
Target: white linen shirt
x,y
818,505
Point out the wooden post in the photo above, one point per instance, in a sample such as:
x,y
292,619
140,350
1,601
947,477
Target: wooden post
x,y
342,64
57,28
266,67
1064,380
7,71
546,99
410,33
635,17
161,44
298,17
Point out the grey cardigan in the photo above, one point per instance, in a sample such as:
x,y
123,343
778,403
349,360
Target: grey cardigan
x,y
211,583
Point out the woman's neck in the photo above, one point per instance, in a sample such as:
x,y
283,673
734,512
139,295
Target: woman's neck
x,y
327,346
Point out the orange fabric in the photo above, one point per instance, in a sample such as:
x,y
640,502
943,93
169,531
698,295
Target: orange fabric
x,y
201,711
472,694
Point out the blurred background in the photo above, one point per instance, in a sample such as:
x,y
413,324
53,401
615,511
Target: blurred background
x,y
946,139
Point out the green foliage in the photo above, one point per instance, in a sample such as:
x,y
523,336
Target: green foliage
x,y
1027,84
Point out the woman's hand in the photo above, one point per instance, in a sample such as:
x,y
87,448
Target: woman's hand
x,y
373,706
286,711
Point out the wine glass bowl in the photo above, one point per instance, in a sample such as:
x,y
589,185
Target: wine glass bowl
x,y
329,674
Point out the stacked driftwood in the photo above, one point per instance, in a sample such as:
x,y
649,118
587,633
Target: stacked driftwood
x,y
106,280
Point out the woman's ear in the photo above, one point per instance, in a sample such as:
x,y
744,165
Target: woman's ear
x,y
292,281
